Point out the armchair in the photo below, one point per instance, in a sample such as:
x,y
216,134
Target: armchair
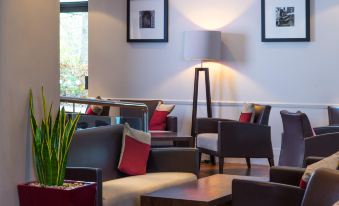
x,y
283,189
333,115
333,119
299,140
229,138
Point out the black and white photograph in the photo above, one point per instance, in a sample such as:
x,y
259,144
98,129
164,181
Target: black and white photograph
x,y
285,20
147,21
285,16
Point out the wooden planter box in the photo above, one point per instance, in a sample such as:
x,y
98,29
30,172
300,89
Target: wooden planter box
x,y
42,196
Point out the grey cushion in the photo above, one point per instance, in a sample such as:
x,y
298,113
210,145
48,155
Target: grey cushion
x,y
208,141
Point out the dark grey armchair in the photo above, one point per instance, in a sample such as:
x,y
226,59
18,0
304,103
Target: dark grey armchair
x,y
333,120
283,189
229,138
299,141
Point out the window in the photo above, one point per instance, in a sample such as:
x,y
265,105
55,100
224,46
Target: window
x,y
73,48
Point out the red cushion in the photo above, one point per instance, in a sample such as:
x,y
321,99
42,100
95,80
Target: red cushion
x,y
303,184
158,120
135,156
89,111
245,117
135,151
159,117
247,113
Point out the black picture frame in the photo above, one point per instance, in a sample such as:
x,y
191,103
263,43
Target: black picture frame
x,y
264,37
163,38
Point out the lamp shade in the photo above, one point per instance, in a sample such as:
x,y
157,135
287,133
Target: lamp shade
x,y
202,45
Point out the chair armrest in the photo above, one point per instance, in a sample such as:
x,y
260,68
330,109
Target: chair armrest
x,y
172,124
326,129
322,145
238,139
209,125
174,160
246,192
322,188
87,175
286,175
311,160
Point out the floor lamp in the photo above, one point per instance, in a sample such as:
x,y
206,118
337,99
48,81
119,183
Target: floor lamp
x,y
202,46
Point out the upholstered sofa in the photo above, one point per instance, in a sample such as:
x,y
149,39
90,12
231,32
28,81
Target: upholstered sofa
x,y
132,116
94,156
129,114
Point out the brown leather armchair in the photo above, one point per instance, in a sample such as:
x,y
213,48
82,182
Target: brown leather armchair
x,y
299,141
283,189
229,138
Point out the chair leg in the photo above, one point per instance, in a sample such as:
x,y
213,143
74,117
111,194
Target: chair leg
x,y
212,159
271,161
221,165
200,154
248,162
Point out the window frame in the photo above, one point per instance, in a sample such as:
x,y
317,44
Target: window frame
x,y
68,7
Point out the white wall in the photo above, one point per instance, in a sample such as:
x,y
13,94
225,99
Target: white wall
x,y
293,76
29,51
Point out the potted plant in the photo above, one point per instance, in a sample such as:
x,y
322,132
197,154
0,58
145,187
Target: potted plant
x,y
51,143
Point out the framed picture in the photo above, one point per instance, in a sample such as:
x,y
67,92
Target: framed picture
x,y
285,20
147,20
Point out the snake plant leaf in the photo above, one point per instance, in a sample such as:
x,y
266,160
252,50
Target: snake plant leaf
x,y
51,142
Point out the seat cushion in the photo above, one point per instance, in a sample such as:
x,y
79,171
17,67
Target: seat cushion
x,y
208,141
127,191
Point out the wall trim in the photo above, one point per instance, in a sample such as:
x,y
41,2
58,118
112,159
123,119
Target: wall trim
x,y
240,103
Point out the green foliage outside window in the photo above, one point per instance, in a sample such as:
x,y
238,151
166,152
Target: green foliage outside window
x,y
73,53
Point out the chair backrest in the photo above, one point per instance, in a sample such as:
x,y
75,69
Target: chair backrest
x,y
130,112
296,127
333,115
97,148
262,114
322,189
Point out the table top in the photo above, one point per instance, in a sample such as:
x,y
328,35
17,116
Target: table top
x,y
162,135
213,190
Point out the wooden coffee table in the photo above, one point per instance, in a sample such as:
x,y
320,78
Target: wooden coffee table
x,y
208,191
178,139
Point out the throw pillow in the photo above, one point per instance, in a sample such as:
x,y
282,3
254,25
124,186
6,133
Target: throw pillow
x,y
247,113
331,162
135,150
94,109
159,117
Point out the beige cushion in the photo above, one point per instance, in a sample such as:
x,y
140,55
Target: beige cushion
x,y
331,162
127,191
208,141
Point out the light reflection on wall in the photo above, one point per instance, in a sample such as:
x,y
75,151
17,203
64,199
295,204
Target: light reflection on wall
x,y
215,17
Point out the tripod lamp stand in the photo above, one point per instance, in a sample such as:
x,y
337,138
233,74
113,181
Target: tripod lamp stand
x,y
202,46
